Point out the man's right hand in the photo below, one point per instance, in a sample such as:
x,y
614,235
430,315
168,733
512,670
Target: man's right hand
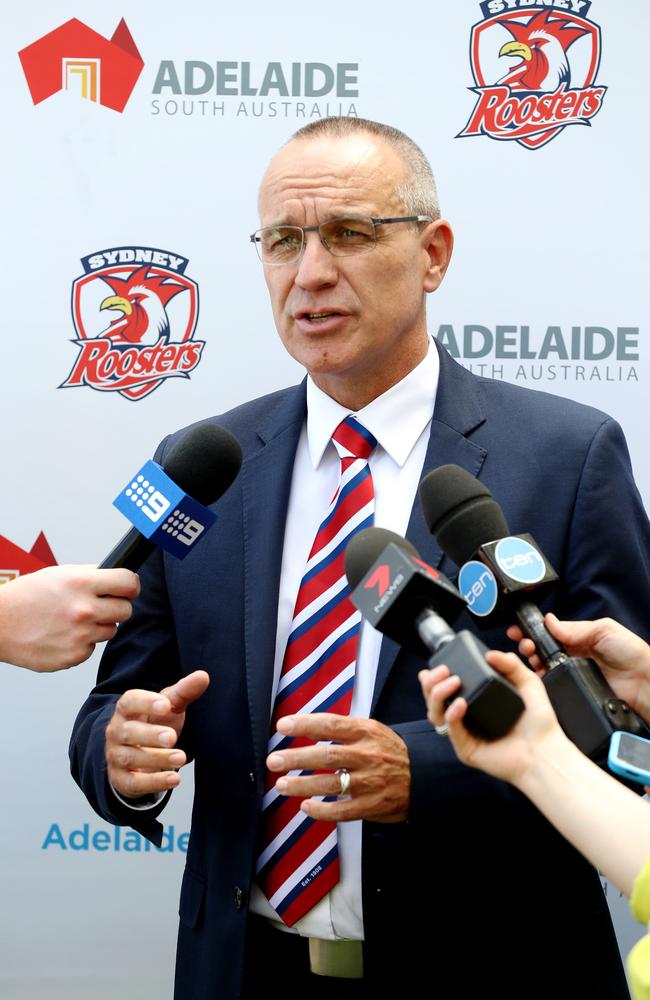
x,y
142,734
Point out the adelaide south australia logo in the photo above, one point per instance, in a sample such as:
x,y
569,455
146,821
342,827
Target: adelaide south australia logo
x,y
135,313
535,68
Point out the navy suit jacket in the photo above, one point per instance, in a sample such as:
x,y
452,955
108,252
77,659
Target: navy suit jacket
x,y
475,892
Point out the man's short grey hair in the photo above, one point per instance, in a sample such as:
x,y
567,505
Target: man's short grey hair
x,y
417,192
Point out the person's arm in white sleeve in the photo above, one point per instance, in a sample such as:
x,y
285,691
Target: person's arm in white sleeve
x,y
604,820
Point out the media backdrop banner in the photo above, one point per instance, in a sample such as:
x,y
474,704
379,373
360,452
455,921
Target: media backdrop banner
x,y
135,136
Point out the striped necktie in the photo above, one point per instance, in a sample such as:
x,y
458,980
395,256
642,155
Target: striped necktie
x,y
299,862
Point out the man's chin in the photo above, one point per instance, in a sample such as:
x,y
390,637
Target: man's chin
x,y
328,364
325,354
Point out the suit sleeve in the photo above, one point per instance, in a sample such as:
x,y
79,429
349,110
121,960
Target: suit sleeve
x,y
439,780
144,655
606,569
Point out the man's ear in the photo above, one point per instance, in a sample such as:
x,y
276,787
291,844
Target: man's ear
x,y
438,243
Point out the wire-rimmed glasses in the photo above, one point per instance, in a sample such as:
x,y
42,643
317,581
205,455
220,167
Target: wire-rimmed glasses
x,y
344,237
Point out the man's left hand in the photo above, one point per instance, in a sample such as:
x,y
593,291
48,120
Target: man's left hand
x,y
375,757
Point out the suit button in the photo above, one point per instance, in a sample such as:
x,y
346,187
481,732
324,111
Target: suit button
x,y
239,897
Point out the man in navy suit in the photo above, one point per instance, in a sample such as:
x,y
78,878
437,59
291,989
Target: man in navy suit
x,y
351,242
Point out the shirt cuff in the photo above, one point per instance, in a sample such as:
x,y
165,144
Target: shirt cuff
x,y
142,803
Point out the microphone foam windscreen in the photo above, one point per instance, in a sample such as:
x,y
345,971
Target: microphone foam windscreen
x,y
460,511
366,547
204,462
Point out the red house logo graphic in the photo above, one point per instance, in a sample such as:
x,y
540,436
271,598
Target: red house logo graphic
x,y
15,561
76,58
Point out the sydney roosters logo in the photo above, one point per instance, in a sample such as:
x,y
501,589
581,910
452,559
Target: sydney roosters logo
x,y
135,313
535,67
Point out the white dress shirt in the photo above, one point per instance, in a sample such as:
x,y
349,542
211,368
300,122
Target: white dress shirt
x,y
400,420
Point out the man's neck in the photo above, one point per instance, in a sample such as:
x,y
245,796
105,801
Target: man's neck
x,y
354,392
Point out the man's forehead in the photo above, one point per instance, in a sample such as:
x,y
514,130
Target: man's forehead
x,y
359,170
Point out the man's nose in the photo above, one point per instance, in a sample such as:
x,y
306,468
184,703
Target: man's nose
x,y
317,267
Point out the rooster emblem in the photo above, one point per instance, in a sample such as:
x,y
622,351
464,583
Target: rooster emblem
x,y
542,45
142,299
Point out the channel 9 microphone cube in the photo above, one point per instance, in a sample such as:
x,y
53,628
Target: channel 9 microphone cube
x,y
162,512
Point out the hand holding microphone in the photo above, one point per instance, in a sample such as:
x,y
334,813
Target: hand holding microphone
x,y
498,572
52,619
623,656
599,816
409,601
510,757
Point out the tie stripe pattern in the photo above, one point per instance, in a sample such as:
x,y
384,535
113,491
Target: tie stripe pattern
x,y
299,863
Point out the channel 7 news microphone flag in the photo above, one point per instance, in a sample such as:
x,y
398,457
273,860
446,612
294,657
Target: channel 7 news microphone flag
x,y
135,139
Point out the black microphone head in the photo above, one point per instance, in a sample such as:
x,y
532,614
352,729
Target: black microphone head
x,y
204,462
392,587
460,512
366,547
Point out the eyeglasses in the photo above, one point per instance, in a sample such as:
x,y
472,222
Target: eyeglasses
x,y
342,237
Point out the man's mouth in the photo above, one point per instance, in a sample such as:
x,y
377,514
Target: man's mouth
x,y
319,316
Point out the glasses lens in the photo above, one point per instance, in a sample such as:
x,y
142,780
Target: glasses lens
x,y
345,237
278,244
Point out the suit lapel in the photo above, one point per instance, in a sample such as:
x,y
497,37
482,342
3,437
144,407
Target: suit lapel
x,y
266,483
458,411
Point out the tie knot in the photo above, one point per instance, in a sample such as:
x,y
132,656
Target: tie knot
x,y
352,438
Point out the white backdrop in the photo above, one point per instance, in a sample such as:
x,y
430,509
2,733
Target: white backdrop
x,y
550,237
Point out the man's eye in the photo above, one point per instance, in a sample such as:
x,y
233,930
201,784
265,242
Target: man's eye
x,y
349,232
352,231
281,240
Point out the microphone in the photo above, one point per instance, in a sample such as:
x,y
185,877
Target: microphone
x,y
497,572
495,575
406,599
202,464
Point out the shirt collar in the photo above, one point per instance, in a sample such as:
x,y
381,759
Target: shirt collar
x,y
396,418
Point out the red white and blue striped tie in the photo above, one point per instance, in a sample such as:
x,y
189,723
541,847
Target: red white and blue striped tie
x,y
299,862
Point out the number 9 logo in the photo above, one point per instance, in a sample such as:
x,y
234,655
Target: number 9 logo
x,y
156,506
190,532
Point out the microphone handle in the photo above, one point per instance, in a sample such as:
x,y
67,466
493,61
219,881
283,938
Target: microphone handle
x,y
493,705
530,618
129,553
587,708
